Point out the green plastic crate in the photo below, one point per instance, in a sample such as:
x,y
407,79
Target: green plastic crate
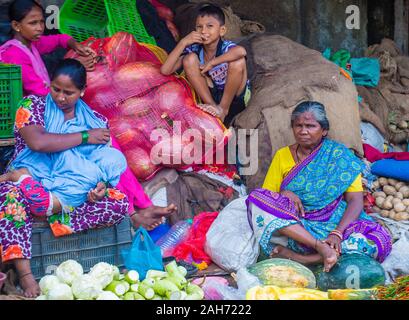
x,y
102,18
82,19
124,16
11,93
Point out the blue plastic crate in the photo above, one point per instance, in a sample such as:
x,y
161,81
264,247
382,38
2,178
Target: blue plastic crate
x,y
87,248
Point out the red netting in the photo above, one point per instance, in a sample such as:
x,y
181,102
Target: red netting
x,y
149,113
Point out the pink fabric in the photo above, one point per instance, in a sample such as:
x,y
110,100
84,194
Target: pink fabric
x,y
129,185
373,154
36,195
34,73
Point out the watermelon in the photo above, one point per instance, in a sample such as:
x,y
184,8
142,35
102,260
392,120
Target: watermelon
x,y
352,271
283,273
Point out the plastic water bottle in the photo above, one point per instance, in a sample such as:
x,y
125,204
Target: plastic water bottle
x,y
173,237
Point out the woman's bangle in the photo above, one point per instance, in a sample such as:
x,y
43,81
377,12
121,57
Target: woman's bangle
x,y
337,233
85,137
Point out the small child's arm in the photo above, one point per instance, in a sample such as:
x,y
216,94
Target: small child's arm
x,y
174,60
233,54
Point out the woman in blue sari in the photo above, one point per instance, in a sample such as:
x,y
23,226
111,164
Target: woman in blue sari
x,y
310,208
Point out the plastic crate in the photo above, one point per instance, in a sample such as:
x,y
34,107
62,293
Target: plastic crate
x,y
82,19
87,248
11,93
102,18
124,16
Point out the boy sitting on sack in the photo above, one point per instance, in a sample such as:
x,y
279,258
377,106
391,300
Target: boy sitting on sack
x,y
215,68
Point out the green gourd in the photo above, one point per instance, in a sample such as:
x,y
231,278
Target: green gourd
x,y
352,271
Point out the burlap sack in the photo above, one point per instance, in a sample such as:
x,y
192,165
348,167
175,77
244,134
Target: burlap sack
x,y
285,74
392,93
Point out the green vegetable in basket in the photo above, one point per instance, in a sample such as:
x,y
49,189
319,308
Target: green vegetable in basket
x,y
103,273
165,287
193,289
107,295
68,271
117,287
175,275
146,291
153,274
182,271
60,291
127,285
86,287
47,283
134,287
149,282
132,277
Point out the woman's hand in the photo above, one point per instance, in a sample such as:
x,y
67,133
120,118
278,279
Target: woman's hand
x,y
99,136
294,198
98,193
82,50
334,242
87,61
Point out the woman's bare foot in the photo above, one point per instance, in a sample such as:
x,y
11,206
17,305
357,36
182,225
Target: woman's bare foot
x,y
30,287
328,254
282,252
13,175
151,217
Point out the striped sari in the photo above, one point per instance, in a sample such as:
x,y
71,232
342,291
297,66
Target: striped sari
x,y
320,182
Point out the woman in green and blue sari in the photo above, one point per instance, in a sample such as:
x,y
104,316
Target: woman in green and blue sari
x,y
310,208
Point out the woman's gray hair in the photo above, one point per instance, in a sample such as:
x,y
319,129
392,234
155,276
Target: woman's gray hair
x,y
316,108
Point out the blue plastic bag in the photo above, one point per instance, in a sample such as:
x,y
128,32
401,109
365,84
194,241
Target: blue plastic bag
x,y
143,255
391,168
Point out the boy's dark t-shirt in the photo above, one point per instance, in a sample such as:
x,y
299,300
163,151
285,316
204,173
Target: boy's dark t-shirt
x,y
218,74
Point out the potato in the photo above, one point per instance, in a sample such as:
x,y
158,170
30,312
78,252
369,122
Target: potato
x,y
401,216
385,213
402,124
399,195
399,207
379,201
392,214
396,201
379,194
389,198
383,181
405,191
387,205
399,185
392,182
405,202
376,209
389,190
375,185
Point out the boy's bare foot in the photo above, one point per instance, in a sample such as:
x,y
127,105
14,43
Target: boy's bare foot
x,y
151,217
328,254
215,111
30,287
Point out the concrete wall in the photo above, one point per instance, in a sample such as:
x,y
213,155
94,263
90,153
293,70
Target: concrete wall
x,y
315,23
